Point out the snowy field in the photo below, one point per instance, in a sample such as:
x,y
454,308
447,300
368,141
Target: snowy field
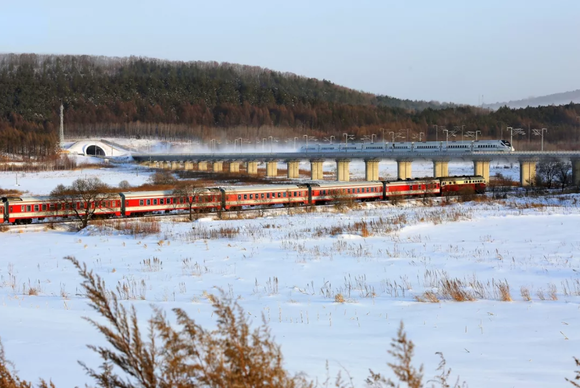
x,y
291,269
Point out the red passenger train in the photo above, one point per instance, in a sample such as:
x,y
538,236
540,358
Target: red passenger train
x,y
23,210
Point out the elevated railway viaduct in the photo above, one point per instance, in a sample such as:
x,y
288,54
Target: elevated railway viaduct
x,y
481,162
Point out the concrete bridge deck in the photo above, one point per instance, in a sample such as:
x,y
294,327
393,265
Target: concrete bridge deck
x,y
481,162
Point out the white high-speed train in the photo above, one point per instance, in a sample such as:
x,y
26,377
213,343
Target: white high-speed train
x,y
424,147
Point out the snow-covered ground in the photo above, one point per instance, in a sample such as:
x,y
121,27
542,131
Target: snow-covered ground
x,y
290,268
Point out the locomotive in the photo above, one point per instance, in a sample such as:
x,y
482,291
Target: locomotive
x,y
24,210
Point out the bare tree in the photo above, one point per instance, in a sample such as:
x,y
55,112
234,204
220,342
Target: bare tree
x,y
564,174
189,193
83,199
547,173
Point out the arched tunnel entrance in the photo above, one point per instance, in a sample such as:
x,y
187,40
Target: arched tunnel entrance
x,y
95,150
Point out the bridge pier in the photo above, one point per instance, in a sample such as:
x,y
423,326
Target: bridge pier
x,y
202,166
404,169
272,169
293,169
481,167
167,165
343,170
527,172
576,172
234,166
187,165
372,170
252,168
440,168
316,170
218,166
174,165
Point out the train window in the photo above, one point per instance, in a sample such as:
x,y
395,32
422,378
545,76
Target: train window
x,y
262,195
284,195
267,195
239,196
140,202
245,196
148,202
35,208
28,208
43,207
279,195
154,202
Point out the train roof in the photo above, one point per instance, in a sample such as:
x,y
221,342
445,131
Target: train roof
x,y
345,184
159,193
239,189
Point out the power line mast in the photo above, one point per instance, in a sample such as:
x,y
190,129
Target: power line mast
x,y
61,132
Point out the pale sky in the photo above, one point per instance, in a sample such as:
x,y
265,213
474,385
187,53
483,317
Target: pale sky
x,y
454,50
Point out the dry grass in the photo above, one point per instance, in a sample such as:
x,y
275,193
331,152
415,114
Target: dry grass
x,y
454,289
553,292
504,291
428,297
575,382
134,227
525,292
338,298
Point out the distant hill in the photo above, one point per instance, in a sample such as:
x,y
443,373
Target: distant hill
x,y
551,99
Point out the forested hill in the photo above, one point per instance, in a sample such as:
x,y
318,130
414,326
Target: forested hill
x,y
106,96
102,89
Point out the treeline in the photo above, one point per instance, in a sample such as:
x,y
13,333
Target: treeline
x,y
106,96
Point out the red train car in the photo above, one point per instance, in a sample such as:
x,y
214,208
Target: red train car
x,y
24,210
266,195
412,188
322,192
149,202
2,212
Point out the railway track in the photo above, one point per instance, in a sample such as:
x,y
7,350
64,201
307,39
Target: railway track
x,y
225,215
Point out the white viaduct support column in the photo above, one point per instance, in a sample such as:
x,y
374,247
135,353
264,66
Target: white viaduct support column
x,y
404,170
575,172
174,165
440,168
316,170
167,165
527,172
252,168
342,170
293,169
202,166
481,167
372,170
218,166
272,169
187,165
234,166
